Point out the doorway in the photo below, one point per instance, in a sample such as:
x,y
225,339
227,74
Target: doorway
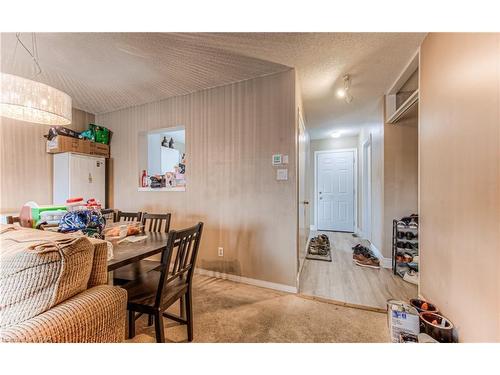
x,y
335,190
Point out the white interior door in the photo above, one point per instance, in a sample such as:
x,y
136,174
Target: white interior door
x,y
335,190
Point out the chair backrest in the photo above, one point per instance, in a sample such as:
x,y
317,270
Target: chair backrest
x,y
109,214
13,219
128,216
178,259
155,222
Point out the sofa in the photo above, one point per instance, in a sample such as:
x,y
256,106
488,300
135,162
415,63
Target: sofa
x,y
53,288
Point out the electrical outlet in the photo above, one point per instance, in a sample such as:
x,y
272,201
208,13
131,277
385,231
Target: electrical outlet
x,y
221,251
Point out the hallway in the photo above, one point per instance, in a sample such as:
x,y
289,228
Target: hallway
x,y
342,281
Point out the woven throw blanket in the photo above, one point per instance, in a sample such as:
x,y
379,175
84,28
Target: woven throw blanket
x,y
39,270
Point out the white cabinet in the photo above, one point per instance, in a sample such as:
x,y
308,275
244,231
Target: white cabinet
x,y
77,175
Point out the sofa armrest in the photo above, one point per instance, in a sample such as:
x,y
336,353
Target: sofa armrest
x,y
95,315
99,272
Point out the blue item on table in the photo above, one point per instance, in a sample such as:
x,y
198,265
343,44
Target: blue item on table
x,y
90,222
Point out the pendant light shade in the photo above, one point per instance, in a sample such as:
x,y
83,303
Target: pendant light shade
x,y
27,100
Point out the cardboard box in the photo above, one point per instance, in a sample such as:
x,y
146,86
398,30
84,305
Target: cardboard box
x,y
62,143
99,149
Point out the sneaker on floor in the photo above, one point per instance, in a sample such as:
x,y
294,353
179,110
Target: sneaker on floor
x,y
411,277
368,262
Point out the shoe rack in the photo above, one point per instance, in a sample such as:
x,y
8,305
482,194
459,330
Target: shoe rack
x,y
404,243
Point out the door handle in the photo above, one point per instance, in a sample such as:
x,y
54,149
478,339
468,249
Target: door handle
x,y
305,202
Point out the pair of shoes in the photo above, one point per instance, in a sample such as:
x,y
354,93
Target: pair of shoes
x,y
360,249
319,245
368,262
321,240
413,266
411,276
410,235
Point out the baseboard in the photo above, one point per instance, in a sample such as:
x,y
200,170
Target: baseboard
x,y
246,280
384,262
358,232
313,227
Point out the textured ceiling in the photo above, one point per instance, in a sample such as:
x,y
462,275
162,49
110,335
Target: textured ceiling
x,y
103,72
106,71
373,60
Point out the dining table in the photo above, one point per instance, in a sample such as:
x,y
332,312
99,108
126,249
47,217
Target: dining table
x,y
126,252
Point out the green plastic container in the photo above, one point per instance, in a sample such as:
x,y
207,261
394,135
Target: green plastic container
x,y
36,211
101,133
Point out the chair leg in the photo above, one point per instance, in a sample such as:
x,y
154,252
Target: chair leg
x,y
182,305
189,314
150,320
159,331
131,324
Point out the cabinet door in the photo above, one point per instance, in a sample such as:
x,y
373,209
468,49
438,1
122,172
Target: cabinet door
x,y
79,176
87,177
97,180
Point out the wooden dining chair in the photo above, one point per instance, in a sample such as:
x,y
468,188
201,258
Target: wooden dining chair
x,y
13,219
128,216
109,214
153,293
155,223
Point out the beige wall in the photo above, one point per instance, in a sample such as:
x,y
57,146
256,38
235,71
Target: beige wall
x,y
400,175
26,169
324,145
231,133
460,180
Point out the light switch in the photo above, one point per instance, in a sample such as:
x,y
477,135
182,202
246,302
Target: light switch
x,y
284,159
282,174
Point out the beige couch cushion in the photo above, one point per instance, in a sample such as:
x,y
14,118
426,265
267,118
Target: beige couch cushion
x,y
39,270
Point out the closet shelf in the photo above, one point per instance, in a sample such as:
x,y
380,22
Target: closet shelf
x,y
405,108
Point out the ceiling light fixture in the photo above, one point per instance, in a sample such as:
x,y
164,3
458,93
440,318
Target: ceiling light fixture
x,y
335,135
31,101
345,92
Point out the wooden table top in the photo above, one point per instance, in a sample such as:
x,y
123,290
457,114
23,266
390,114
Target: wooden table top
x,y
130,252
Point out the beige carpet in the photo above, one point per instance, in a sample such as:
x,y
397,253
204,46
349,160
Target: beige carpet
x,y
225,311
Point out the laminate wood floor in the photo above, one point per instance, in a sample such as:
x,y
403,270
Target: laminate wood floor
x,y
343,281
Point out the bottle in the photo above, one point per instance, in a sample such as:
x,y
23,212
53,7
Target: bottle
x,y
164,143
144,179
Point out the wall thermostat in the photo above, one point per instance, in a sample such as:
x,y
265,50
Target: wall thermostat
x,y
277,159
